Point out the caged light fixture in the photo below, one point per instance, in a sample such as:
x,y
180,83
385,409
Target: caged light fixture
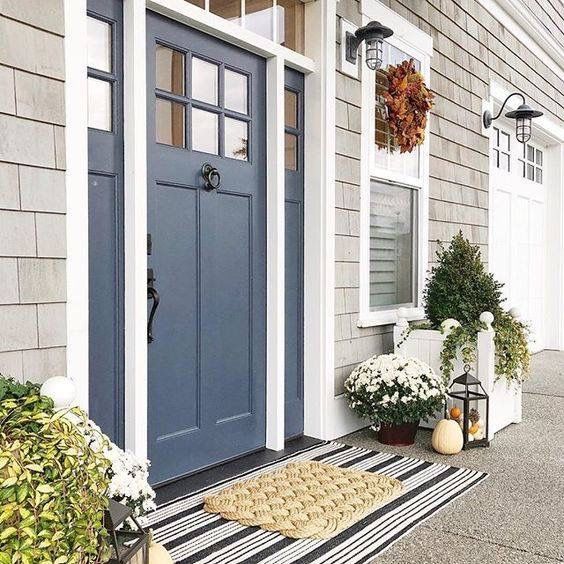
x,y
523,116
373,34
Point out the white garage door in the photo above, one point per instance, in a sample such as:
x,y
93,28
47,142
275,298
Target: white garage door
x,y
518,227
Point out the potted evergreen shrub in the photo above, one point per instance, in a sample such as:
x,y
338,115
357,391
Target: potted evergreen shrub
x,y
458,330
394,393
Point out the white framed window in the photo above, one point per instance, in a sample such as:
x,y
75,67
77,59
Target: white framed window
x,y
394,188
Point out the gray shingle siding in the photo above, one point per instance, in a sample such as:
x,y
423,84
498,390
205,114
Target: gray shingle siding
x,y
32,190
470,49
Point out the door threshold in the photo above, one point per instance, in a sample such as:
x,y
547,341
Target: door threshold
x,y
203,478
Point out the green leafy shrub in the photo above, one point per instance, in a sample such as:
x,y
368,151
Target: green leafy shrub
x,y
52,484
459,287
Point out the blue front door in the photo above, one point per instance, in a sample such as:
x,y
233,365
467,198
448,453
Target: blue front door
x,y
206,207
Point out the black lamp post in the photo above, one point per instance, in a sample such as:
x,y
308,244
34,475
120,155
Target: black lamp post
x,y
374,34
467,393
523,116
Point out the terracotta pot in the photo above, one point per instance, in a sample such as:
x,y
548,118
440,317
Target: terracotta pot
x,y
398,435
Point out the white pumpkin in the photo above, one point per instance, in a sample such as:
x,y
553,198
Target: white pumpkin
x,y
61,390
447,437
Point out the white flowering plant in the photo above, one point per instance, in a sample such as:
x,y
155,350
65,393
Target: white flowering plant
x,y
128,474
393,389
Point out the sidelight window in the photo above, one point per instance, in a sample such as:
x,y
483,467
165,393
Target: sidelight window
x,y
101,74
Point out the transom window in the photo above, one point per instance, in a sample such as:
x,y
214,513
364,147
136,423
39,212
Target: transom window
x,y
281,21
201,105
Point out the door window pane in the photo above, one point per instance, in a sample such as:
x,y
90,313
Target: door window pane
x,y
290,109
205,131
290,152
236,91
392,228
204,81
170,123
99,104
290,15
228,9
170,70
259,17
99,44
236,139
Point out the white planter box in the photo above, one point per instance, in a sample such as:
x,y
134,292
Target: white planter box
x,y
426,345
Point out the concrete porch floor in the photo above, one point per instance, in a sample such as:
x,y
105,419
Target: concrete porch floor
x,y
517,515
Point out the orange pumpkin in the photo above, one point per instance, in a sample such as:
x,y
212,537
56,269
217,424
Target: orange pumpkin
x,y
455,412
474,429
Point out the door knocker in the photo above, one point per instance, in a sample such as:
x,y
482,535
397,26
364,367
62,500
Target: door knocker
x,y
211,176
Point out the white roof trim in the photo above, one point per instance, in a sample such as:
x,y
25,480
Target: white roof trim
x,y
403,29
517,18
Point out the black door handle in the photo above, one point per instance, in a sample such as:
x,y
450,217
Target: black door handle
x,y
152,294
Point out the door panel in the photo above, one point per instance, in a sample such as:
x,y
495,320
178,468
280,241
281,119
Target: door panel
x,y
294,210
105,213
207,361
519,230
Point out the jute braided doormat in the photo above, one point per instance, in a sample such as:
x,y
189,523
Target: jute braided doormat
x,y
304,499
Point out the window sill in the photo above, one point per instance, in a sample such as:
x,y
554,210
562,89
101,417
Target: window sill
x,y
389,317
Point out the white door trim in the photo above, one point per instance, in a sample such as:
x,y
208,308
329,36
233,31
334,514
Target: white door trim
x,y
552,135
319,179
76,181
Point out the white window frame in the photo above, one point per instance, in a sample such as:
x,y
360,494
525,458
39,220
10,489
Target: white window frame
x,y
418,44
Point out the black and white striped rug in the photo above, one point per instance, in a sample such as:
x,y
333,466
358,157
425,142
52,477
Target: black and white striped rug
x,y
193,536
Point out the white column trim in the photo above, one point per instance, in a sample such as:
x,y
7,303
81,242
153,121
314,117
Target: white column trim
x,y
275,251
319,223
135,225
76,182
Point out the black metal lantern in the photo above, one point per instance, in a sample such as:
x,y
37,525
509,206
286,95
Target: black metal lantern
x,y
471,404
125,543
374,34
523,116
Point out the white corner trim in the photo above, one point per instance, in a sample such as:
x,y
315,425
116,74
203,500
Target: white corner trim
x,y
76,181
403,29
319,221
135,226
275,245
518,19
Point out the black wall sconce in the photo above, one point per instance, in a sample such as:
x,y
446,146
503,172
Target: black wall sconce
x,y
374,34
523,116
